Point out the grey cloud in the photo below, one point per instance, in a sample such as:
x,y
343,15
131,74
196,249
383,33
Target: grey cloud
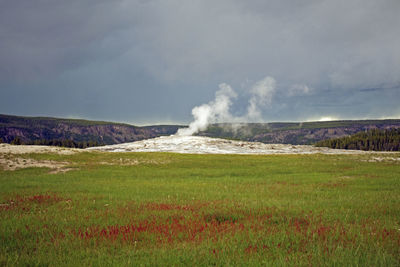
x,y
155,60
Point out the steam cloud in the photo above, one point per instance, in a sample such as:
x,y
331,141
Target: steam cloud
x,y
218,109
262,93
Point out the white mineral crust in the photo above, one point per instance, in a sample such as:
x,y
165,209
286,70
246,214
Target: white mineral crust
x,y
207,145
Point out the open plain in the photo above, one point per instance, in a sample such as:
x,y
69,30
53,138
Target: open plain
x,y
157,209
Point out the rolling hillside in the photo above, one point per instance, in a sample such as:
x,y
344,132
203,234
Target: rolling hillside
x,y
39,128
29,129
295,133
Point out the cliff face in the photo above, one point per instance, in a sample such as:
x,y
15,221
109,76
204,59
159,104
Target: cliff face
x,y
30,129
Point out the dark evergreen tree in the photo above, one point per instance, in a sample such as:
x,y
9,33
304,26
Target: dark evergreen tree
x,y
64,143
375,139
16,141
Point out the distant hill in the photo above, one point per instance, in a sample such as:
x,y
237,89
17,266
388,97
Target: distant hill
x,y
29,129
34,129
295,133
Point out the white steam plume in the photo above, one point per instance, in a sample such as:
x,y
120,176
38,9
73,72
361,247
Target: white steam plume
x,y
218,110
262,93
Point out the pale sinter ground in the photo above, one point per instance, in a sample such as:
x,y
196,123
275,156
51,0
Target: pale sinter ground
x,y
207,145
11,159
11,156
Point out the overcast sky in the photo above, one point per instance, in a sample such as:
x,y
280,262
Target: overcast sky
x,y
152,61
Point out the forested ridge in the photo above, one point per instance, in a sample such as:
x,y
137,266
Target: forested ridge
x,y
73,132
85,133
55,142
376,140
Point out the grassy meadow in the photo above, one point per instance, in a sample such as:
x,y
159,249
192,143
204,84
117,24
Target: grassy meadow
x,y
163,209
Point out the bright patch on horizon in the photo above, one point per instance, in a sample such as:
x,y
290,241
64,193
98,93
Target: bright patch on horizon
x,y
328,119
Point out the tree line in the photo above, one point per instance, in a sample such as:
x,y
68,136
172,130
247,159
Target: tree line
x,y
375,139
56,142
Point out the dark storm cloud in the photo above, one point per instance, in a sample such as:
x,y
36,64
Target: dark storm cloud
x,y
49,37
148,61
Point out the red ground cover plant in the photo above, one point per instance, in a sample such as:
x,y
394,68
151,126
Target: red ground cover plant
x,y
165,224
25,203
169,224
253,232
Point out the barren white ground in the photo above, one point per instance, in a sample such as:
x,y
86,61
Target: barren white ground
x,y
207,145
24,149
11,157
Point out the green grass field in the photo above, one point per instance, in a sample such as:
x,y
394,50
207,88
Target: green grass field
x,y
227,210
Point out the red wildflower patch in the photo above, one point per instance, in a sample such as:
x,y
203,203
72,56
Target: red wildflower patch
x,y
167,206
251,249
163,231
25,202
264,230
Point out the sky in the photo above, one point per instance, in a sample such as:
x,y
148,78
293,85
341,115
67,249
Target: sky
x,y
153,61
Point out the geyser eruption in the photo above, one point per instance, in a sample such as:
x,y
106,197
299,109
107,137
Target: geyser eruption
x,y
218,109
